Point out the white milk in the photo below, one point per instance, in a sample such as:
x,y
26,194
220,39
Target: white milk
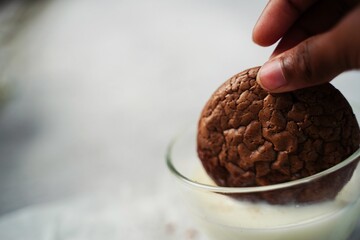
x,y
225,218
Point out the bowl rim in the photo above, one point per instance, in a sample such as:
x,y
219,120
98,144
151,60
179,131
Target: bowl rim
x,y
220,189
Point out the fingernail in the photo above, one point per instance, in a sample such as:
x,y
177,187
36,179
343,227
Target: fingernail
x,y
270,75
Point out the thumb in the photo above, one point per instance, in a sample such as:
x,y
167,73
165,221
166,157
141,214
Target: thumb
x,y
316,60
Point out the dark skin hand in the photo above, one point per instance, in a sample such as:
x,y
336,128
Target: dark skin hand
x,y
319,39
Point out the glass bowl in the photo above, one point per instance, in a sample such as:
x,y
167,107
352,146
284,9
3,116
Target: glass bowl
x,y
229,213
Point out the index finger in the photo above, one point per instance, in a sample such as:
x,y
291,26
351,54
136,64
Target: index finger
x,y
277,17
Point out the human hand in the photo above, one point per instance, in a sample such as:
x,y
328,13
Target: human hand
x,y
319,40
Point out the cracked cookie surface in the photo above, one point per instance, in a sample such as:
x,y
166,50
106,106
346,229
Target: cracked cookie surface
x,y
249,137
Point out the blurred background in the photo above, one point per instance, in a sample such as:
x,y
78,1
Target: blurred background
x,y
93,91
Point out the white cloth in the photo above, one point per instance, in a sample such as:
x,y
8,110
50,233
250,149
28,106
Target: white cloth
x,y
102,216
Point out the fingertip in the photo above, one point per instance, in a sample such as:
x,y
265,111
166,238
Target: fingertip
x,y
271,77
260,37
259,40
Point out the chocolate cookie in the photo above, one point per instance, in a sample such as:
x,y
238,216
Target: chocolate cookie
x,y
250,137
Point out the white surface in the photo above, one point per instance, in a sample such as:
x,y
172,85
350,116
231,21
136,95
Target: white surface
x,y
98,88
